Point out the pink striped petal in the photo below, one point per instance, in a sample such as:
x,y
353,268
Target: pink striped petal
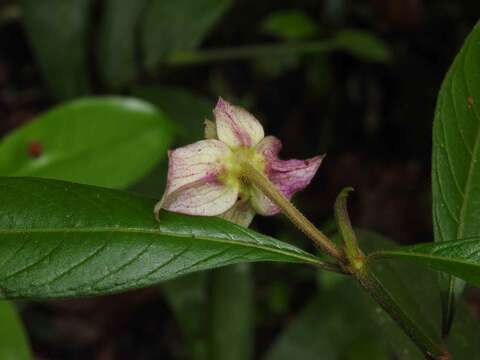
x,y
289,176
192,184
208,198
236,126
194,162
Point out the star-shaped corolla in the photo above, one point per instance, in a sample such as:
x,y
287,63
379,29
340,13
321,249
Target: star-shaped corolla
x,y
207,178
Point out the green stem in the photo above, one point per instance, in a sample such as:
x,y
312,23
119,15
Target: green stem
x,y
356,265
352,250
248,52
448,304
430,348
263,183
330,266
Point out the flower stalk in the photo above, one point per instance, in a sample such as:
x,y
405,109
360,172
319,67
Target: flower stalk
x,y
358,266
236,173
253,176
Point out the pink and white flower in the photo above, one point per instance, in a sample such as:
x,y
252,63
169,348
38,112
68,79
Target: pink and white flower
x,y
205,178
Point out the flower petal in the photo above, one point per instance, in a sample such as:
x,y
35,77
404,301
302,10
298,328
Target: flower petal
x,y
261,203
289,176
242,213
210,129
194,162
192,174
236,126
209,198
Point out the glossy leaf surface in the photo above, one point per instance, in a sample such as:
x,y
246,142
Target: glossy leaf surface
x,y
460,258
455,158
108,141
61,239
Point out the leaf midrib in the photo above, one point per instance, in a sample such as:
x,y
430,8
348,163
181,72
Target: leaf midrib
x,y
427,256
468,183
306,259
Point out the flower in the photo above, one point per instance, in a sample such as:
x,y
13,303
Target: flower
x,y
207,177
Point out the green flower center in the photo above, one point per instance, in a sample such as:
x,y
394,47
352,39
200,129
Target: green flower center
x,y
233,169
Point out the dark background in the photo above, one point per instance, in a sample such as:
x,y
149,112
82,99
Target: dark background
x,y
373,119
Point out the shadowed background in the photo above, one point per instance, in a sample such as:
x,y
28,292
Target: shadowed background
x,y
354,79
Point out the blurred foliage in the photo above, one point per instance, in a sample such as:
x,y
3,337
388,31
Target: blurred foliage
x,y
231,325
14,344
58,31
363,45
85,149
289,25
333,325
367,95
186,109
117,48
171,26
188,299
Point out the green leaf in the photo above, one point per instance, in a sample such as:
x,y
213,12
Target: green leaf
x,y
363,45
231,313
460,258
333,325
117,48
100,141
419,298
58,31
456,152
13,339
463,342
289,25
187,110
249,52
62,239
171,26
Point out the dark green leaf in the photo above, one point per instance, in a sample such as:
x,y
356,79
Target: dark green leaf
x,y
334,325
60,239
186,110
13,339
171,26
419,298
117,48
101,141
456,151
463,342
231,313
289,25
363,45
460,258
57,30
